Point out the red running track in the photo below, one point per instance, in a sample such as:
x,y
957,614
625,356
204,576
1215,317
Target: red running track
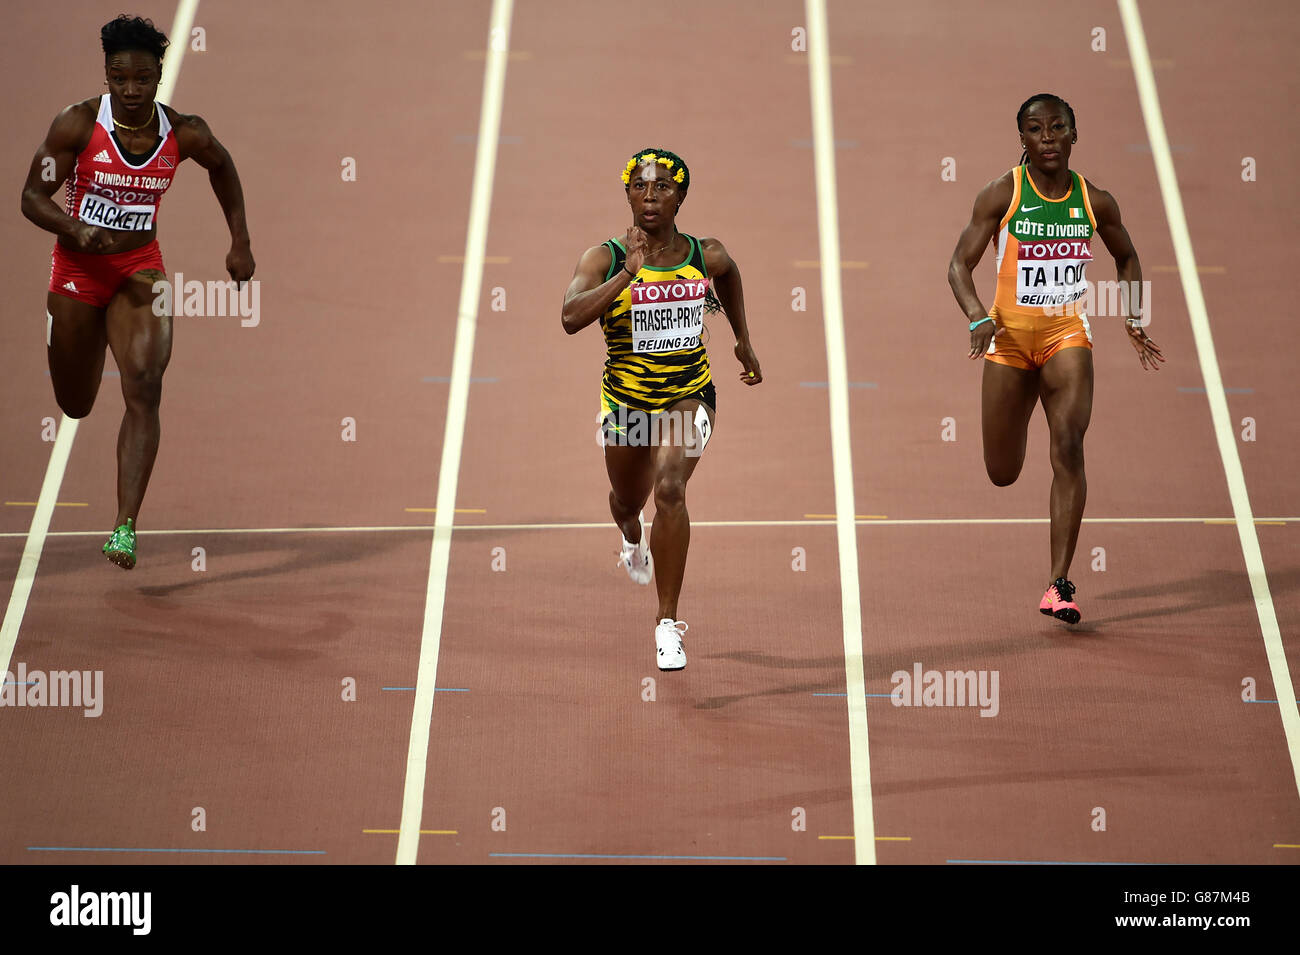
x,y
224,687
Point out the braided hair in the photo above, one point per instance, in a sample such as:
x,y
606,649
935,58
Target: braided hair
x,y
1041,98
674,162
682,176
126,33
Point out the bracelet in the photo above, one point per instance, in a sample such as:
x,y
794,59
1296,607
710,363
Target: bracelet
x,y
975,325
633,274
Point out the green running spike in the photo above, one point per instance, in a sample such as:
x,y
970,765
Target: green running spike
x,y
120,548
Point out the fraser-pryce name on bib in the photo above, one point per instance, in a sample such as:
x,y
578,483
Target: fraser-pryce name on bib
x,y
98,210
667,316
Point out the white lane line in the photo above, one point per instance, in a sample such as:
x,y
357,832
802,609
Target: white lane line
x,y
67,432
480,207
40,527
1224,431
828,230
596,525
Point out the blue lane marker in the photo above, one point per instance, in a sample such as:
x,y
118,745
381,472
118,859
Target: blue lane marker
x,y
612,855
443,379
1034,862
886,695
436,689
1230,391
290,852
825,384
1265,701
25,683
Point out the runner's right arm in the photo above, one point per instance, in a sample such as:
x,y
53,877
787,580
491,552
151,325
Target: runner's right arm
x,y
990,205
589,295
53,163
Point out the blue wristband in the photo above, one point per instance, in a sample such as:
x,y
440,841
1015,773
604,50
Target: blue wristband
x,y
975,325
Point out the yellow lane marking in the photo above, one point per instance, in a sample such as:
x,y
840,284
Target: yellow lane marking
x,y
56,504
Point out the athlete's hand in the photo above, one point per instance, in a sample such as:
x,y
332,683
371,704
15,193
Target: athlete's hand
x,y
91,238
752,374
981,337
1148,352
239,262
637,244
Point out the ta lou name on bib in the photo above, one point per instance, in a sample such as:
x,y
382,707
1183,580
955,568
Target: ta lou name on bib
x,y
667,316
1051,273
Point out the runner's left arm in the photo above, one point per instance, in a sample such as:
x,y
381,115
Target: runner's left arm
x,y
726,279
1129,272
197,142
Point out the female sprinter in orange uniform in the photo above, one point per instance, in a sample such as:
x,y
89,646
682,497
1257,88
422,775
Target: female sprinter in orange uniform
x,y
118,153
649,292
1036,341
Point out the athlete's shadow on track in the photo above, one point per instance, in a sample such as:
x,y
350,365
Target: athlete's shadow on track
x,y
318,550
872,663
269,629
1210,590
1037,777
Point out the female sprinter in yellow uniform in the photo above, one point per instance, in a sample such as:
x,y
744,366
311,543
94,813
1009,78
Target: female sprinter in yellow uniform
x,y
1036,341
650,292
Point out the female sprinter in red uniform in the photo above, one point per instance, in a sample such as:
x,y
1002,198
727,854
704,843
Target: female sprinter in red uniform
x,y
118,153
1036,341
649,292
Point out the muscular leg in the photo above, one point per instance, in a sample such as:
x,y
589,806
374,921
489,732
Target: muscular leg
x,y
1008,396
1066,382
142,345
75,353
630,479
673,467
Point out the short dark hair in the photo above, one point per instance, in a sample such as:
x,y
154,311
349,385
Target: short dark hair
x,y
132,33
1040,98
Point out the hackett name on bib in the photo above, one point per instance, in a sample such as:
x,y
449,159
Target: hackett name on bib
x,y
98,210
667,316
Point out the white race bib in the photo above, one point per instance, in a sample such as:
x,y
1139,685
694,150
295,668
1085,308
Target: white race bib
x,y
1050,274
667,316
98,210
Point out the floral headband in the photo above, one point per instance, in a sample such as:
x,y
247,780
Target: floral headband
x,y
664,161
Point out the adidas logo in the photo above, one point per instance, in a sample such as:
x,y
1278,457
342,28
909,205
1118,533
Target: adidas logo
x,y
70,286
102,156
